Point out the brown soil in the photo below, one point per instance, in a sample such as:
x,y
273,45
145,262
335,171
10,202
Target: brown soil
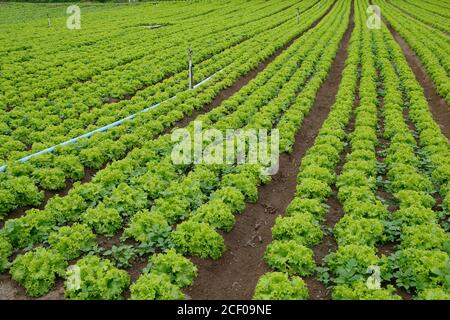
x,y
438,107
235,275
387,248
111,100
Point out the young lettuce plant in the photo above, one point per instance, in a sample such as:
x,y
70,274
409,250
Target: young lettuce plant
x,y
278,286
359,291
181,270
152,286
37,270
6,250
198,239
149,228
121,256
290,256
215,213
98,280
72,241
105,221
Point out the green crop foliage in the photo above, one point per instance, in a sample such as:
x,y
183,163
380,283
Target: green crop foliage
x,y
155,287
98,280
360,291
290,256
37,270
72,241
278,286
198,239
181,270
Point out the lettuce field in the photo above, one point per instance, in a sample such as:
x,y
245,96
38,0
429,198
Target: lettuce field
x,y
107,193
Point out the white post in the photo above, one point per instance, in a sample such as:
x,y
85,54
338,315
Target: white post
x,y
49,21
190,69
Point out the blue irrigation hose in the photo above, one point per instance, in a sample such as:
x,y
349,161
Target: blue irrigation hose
x,y
102,129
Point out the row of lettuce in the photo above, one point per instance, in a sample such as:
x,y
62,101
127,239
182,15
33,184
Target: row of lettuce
x,y
421,11
429,44
84,106
290,254
51,65
421,260
21,184
197,200
433,6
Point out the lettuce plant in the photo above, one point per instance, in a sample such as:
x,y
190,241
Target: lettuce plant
x,y
409,198
426,236
37,270
198,239
278,286
434,294
105,221
71,166
350,263
215,213
302,227
421,269
31,228
316,172
148,228
290,256
98,280
50,178
172,208
366,209
126,200
414,216
6,250
359,291
181,270
232,197
72,241
313,189
155,287
243,183
301,206
360,231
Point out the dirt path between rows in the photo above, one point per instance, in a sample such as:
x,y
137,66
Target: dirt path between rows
x,y
438,107
235,275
